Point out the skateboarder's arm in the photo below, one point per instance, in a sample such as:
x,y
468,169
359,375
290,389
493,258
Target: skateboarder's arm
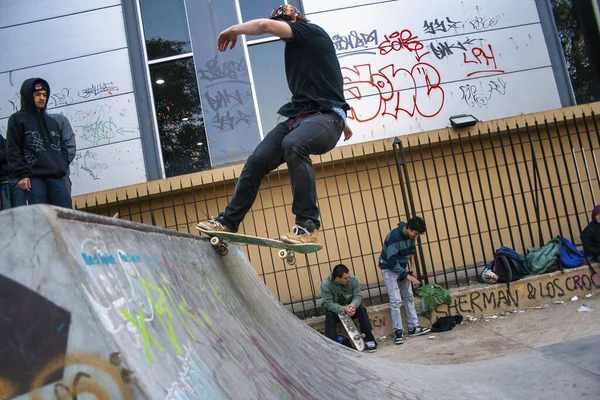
x,y
329,303
254,27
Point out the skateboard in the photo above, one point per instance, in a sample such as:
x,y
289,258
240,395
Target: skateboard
x,y
355,335
220,240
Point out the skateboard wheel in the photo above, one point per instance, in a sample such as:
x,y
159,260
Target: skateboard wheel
x,y
282,254
222,249
291,259
215,241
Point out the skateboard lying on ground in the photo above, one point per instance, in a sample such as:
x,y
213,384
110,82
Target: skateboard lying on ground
x,y
355,335
220,241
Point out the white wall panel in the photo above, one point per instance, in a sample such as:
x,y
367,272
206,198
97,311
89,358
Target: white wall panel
x,y
99,122
409,66
58,39
111,166
387,116
72,81
13,12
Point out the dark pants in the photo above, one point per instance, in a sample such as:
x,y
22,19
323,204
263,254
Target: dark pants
x,y
331,319
12,195
292,142
49,191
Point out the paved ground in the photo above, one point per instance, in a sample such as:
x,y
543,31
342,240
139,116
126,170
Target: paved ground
x,y
527,330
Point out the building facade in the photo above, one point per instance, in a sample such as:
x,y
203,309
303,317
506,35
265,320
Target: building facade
x,y
149,96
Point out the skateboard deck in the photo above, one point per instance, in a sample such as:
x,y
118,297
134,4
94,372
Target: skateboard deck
x,y
221,239
355,335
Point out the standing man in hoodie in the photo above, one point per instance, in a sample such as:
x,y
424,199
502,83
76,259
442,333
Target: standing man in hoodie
x,y
37,155
397,263
590,237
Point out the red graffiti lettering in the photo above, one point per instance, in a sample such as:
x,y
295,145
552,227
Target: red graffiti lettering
x,y
402,40
417,91
482,58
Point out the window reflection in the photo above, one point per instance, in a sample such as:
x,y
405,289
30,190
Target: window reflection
x,y
268,70
165,28
180,120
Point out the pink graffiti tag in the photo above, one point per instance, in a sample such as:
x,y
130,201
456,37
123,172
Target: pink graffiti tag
x,y
402,40
482,58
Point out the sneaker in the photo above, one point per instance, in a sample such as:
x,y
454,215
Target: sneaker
x,y
418,330
371,346
399,337
217,224
300,235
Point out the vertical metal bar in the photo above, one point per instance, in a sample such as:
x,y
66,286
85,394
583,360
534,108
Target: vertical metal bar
x,y
554,211
453,204
589,177
490,189
162,206
437,179
569,180
560,183
464,206
483,202
538,192
510,183
184,204
173,205
420,263
472,194
524,199
277,227
128,205
139,203
401,167
195,202
512,240
152,219
435,225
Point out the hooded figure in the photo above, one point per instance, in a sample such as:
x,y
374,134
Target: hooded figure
x,y
591,236
37,156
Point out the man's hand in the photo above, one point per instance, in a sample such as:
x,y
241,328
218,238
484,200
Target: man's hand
x,y
25,184
227,38
347,132
349,310
413,279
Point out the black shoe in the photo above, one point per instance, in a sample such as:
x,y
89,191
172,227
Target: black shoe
x,y
418,330
399,337
371,346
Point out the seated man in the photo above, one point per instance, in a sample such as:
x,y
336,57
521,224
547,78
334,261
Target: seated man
x,y
591,236
341,295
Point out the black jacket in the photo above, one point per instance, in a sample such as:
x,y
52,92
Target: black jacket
x,y
590,237
4,174
35,148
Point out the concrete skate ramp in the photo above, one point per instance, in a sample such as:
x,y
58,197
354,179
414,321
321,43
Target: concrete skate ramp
x,y
97,308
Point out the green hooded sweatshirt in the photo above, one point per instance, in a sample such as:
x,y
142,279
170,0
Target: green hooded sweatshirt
x,y
335,296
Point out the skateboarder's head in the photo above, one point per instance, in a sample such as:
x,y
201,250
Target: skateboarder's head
x,y
340,274
287,13
414,227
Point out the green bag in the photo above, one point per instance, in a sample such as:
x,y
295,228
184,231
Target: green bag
x,y
538,260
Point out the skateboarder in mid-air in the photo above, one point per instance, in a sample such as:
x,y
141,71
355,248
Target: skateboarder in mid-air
x,y
316,118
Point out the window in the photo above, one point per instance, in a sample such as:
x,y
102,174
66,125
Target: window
x,y
165,28
179,115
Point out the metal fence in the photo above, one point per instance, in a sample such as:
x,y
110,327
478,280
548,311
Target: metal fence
x,y
517,186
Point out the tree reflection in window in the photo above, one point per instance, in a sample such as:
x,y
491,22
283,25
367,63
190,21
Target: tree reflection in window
x,y
179,112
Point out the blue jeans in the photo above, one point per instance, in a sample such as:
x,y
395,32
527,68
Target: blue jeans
x,y
398,291
49,191
292,142
12,195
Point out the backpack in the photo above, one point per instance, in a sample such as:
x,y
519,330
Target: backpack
x,y
570,257
540,259
508,265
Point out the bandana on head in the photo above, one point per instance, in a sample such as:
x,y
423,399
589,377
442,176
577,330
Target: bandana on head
x,y
285,12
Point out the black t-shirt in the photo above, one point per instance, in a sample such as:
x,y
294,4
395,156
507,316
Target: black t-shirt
x,y
313,71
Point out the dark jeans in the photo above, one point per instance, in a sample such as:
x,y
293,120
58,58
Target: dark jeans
x,y
12,195
292,141
49,191
331,319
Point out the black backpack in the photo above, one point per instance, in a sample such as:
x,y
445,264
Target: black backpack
x,y
509,265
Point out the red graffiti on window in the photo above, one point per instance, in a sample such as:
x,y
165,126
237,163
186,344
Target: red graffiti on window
x,y
482,58
402,40
397,90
